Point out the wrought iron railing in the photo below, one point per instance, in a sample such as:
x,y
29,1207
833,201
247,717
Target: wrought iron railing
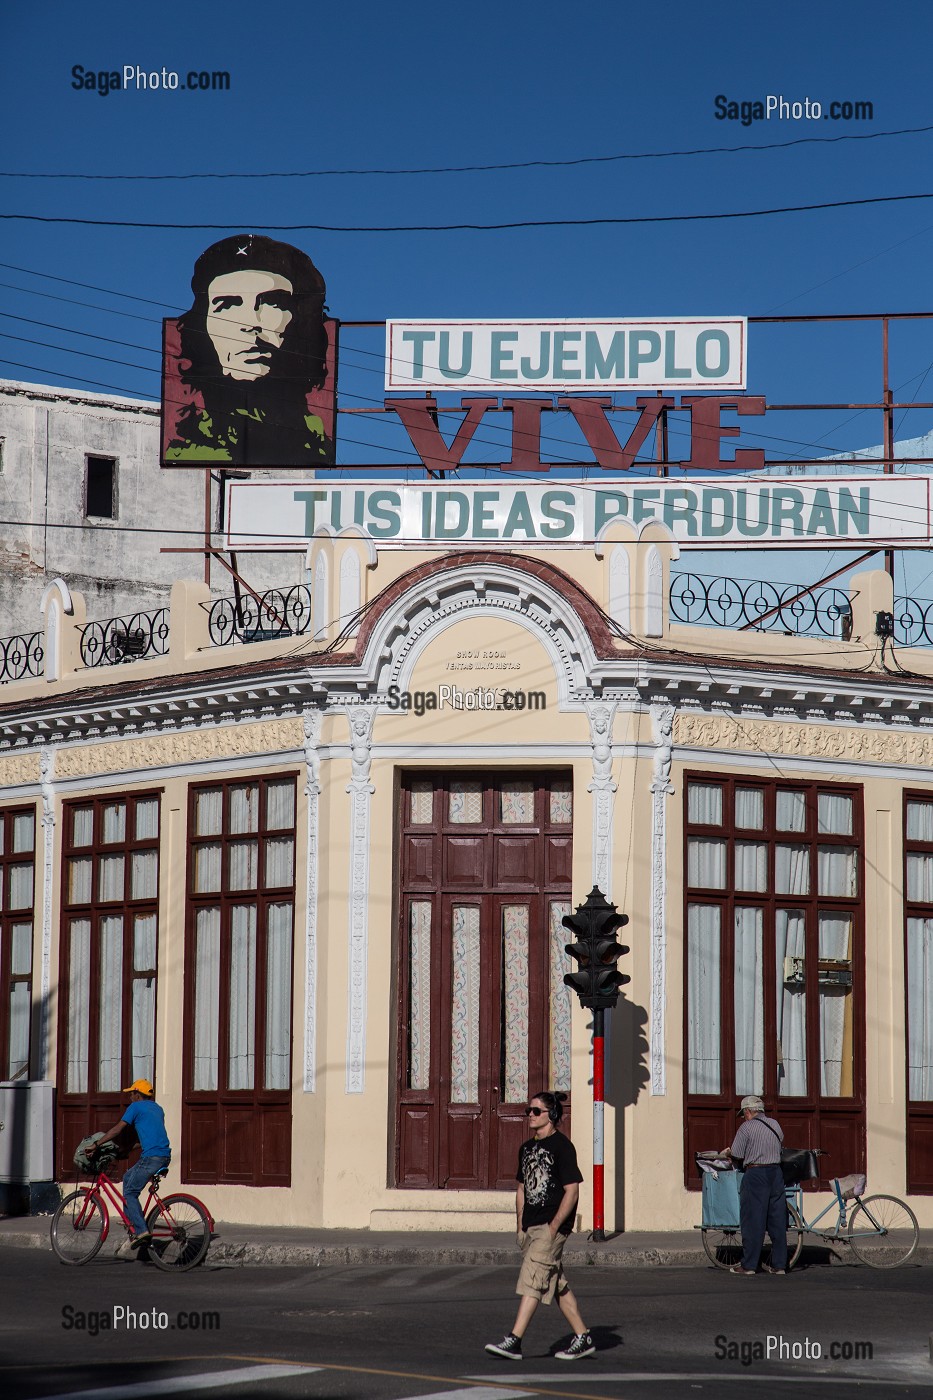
x,y
280,612
739,602
120,639
21,656
913,622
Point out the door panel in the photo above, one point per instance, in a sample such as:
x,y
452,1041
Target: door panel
x,y
483,1013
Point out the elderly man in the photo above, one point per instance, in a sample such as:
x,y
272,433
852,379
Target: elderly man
x,y
762,1203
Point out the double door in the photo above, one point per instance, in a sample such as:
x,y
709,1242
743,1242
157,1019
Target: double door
x,y
484,1017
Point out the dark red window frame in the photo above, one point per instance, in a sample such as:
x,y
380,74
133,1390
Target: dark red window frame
x,y
8,978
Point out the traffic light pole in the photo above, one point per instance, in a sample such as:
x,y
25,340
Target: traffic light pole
x,y
599,1089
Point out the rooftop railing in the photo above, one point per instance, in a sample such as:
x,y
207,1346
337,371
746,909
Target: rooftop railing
x,y
280,612
119,639
21,656
736,603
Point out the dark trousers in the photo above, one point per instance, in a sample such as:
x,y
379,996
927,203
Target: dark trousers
x,y
763,1206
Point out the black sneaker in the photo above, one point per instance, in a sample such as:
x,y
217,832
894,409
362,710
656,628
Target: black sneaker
x,y
510,1347
144,1237
581,1345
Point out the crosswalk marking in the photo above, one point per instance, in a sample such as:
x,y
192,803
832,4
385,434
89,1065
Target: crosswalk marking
x,y
185,1384
476,1392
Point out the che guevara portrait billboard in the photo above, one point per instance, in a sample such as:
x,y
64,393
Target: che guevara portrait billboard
x,y
249,370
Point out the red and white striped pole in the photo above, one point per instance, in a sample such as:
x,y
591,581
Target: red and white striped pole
x,y
599,1081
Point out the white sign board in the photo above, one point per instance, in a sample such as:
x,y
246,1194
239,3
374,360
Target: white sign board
x,y
684,352
709,512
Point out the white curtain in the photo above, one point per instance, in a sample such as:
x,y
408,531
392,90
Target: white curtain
x,y
834,814
835,1003
792,870
242,1025
209,810
920,821
207,869
147,819
243,873
110,878
704,804
749,808
114,826
560,964
280,861
515,1001
21,950
920,1010
920,878
144,874
18,1062
706,863
751,866
790,939
280,806
244,810
704,1021
79,880
749,1002
837,871
21,886
110,1024
419,994
206,998
144,943
278,995
791,811
79,976
24,832
464,1028
82,827
142,1039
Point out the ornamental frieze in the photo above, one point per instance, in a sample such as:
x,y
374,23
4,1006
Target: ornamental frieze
x,y
804,740
186,746
19,768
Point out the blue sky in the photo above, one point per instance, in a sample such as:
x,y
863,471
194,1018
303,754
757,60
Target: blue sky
x,y
366,85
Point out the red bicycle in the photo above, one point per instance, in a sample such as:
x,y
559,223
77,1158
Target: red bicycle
x,y
181,1226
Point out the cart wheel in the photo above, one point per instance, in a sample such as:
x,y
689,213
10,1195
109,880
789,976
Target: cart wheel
x,y
724,1246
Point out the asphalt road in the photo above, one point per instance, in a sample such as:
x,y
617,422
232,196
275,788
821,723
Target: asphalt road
x,y
391,1333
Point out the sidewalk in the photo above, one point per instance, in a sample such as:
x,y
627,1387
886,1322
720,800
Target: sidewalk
x,y
236,1246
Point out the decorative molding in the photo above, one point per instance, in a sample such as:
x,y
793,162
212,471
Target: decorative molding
x,y
620,586
186,746
602,717
311,720
654,593
20,769
769,737
360,719
662,726
47,778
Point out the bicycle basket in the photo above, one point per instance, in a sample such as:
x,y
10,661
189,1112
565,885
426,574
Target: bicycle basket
x,y
86,1149
798,1164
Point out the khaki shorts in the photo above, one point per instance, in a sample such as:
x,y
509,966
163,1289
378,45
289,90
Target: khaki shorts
x,y
542,1274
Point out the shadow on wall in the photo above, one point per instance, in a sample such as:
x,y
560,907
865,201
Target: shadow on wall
x,y
628,1077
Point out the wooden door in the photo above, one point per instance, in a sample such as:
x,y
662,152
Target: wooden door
x,y
484,1017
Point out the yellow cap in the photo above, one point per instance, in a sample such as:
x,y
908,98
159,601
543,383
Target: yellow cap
x,y
142,1086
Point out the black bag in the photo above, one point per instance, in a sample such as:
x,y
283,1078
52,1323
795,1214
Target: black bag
x,y
798,1164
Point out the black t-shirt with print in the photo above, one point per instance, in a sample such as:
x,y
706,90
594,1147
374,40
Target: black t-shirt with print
x,y
545,1167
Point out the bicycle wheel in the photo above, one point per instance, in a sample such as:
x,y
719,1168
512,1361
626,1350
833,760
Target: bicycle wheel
x,y
724,1246
181,1233
79,1227
883,1232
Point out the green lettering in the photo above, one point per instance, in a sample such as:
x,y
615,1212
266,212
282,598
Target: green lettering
x,y
786,505
857,514
704,340
385,506
743,524
519,518
562,355
484,527
717,500
500,354
608,505
822,520
608,366
542,368
638,357
310,499
418,340
443,530
681,514
466,356
671,369
641,505
550,503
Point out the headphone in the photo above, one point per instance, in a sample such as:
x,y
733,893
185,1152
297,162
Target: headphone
x,y
555,1105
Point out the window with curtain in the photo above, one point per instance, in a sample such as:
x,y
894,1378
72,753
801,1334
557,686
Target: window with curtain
x,y
241,893
109,944
918,884
773,929
17,906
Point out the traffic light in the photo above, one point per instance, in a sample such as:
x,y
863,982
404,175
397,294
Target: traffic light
x,y
596,979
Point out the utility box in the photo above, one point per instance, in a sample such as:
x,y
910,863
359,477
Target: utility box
x,y
27,1185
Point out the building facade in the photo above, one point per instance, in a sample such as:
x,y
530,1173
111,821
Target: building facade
x,y
313,886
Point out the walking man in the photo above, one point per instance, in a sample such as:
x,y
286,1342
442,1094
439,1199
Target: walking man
x,y
147,1119
545,1204
762,1203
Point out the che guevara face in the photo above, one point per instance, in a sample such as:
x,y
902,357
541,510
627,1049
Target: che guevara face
x,y
248,314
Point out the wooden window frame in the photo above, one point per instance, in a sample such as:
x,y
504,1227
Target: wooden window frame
x,y
9,917
918,1113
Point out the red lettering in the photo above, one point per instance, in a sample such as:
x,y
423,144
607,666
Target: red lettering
x,y
707,430
420,419
600,435
526,435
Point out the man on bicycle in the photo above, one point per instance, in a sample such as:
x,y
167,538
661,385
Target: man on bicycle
x,y
147,1119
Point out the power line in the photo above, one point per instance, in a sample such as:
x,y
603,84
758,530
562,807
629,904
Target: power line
x,y
608,221
474,169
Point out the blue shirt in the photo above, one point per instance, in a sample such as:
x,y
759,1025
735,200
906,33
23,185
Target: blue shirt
x,y
149,1121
